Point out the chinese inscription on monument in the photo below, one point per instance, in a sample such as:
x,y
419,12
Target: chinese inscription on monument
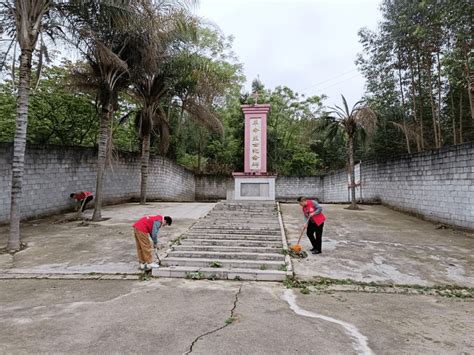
x,y
255,150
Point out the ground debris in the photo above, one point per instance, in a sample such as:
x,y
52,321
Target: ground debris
x,y
297,255
23,246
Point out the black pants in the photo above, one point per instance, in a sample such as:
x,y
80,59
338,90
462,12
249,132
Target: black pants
x,y
85,202
311,231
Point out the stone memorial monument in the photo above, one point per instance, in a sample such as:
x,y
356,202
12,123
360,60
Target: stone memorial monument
x,y
255,183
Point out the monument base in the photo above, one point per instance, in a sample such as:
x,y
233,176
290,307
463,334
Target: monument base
x,y
254,187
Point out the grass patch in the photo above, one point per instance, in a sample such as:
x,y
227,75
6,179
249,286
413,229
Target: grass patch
x,y
177,241
230,320
263,267
323,283
215,264
305,290
195,275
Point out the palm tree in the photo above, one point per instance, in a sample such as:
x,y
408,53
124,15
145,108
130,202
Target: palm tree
x,y
149,55
101,31
161,70
359,121
28,16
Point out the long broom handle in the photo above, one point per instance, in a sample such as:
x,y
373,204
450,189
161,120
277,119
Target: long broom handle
x,y
302,230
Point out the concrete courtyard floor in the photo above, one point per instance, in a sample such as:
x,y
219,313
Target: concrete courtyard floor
x,y
377,244
77,313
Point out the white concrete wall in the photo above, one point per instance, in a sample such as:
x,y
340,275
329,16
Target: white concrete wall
x,y
52,173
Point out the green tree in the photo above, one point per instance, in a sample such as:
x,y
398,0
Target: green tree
x,y
101,32
28,18
359,121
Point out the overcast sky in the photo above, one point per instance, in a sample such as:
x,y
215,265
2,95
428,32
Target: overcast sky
x,y
307,45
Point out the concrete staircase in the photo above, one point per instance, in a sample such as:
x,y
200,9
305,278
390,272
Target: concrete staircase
x,y
235,241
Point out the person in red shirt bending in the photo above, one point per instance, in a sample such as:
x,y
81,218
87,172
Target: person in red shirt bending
x,y
314,222
144,228
83,197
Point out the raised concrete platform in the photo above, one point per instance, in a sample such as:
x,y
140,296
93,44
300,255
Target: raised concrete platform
x,y
234,241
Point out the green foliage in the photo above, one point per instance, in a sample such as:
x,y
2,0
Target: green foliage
x,y
215,264
230,320
195,275
7,113
57,113
418,66
305,290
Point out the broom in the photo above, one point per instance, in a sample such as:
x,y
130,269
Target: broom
x,y
297,247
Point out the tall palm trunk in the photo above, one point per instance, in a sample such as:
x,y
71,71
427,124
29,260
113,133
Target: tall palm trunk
x,y
105,120
145,159
19,147
351,173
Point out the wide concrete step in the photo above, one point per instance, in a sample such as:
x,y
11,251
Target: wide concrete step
x,y
220,273
245,231
256,255
229,249
237,227
240,214
273,238
225,263
237,221
232,242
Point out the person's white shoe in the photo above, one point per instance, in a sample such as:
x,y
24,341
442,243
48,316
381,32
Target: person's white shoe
x,y
142,266
151,266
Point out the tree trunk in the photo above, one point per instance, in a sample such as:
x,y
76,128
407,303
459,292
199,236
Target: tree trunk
x,y
403,108
440,136
144,167
105,119
353,205
199,151
19,146
432,103
469,74
415,115
470,91
453,112
420,92
460,119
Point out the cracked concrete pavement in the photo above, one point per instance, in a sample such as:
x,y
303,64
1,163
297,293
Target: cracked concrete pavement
x,y
172,316
381,245
94,247
168,316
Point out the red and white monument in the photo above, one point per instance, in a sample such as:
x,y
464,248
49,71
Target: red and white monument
x,y
255,183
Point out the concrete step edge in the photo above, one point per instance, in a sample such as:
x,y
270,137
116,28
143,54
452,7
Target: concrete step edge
x,y
237,274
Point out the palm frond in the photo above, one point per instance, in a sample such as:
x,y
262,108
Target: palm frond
x,y
409,131
346,107
203,115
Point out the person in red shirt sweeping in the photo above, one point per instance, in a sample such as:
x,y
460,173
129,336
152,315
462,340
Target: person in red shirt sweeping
x,y
315,222
144,228
83,197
